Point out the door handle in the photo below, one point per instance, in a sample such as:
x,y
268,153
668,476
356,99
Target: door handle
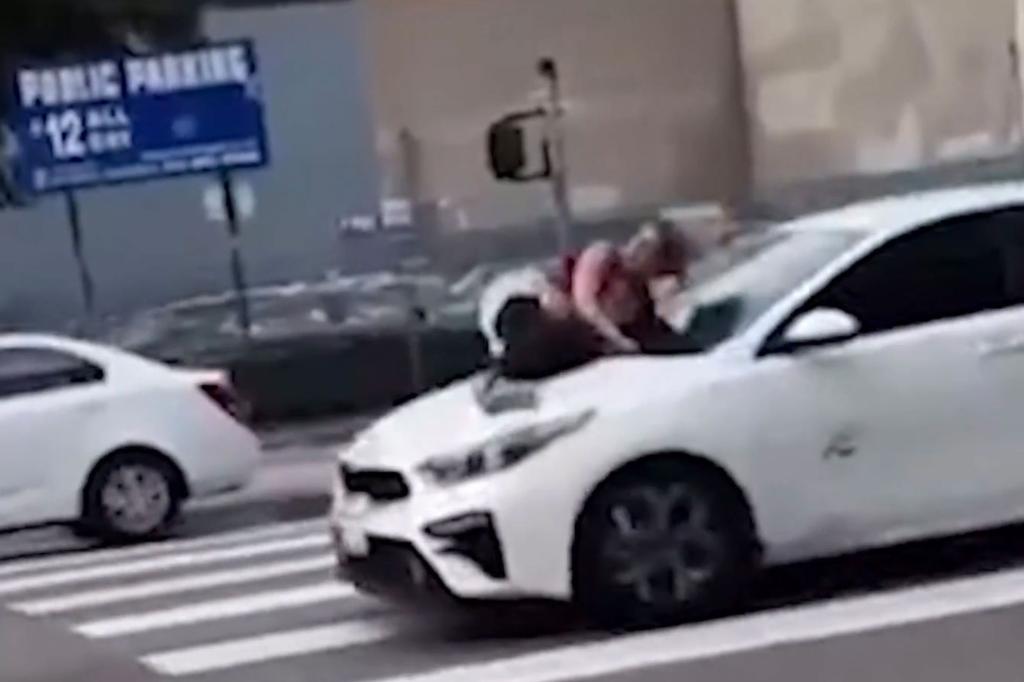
x,y
89,406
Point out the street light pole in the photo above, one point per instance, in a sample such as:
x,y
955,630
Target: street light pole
x,y
548,70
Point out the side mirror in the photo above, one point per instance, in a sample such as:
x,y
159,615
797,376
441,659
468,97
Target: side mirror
x,y
820,327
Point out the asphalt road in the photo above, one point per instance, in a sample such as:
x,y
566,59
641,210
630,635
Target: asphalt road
x,y
245,594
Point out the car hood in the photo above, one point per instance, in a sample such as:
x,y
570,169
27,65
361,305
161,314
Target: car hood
x,y
468,413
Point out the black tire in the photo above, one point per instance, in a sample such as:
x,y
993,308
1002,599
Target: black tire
x,y
629,572
158,499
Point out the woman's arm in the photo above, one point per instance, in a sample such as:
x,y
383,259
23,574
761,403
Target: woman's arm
x,y
588,277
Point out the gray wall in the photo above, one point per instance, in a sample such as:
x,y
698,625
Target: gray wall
x,y
844,87
150,244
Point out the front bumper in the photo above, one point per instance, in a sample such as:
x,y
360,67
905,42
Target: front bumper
x,y
392,569
449,559
459,543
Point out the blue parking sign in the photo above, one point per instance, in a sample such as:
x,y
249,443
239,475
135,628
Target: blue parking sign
x,y
129,118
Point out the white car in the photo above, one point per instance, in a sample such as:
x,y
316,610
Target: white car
x,y
856,381
109,442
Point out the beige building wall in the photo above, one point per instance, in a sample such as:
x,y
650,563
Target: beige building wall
x,y
838,87
654,100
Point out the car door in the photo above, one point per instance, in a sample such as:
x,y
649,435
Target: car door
x,y
46,397
894,428
1000,358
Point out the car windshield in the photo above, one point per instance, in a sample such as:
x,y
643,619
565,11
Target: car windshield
x,y
759,274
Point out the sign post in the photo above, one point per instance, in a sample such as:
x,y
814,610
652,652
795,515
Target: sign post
x,y
84,274
133,118
237,265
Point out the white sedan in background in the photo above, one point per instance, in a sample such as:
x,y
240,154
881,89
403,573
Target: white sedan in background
x,y
856,381
110,442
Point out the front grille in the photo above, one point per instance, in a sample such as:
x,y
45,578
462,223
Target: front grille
x,y
381,485
395,569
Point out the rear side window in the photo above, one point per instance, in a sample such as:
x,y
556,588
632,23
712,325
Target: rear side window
x,y
1009,226
33,370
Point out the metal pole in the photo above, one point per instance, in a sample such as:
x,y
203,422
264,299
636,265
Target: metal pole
x,y
548,70
417,324
237,266
77,246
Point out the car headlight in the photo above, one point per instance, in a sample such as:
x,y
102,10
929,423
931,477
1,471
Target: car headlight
x,y
501,452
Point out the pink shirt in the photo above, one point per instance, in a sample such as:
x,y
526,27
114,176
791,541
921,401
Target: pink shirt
x,y
599,276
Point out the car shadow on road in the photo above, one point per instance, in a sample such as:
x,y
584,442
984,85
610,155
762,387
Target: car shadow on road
x,y
903,566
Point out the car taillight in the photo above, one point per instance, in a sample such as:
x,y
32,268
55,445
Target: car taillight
x,y
227,400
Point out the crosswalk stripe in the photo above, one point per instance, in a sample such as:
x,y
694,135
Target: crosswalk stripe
x,y
162,563
97,556
202,612
156,588
252,650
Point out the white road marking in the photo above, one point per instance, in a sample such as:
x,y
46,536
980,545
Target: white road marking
x,y
97,556
162,563
745,634
249,651
156,588
201,612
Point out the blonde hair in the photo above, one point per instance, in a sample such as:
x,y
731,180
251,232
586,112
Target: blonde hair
x,y
668,246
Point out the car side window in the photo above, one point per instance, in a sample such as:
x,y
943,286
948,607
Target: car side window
x,y
949,270
32,370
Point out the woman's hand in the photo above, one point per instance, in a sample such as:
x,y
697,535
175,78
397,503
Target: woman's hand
x,y
557,303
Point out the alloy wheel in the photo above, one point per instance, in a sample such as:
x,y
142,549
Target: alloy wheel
x,y
661,544
136,498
